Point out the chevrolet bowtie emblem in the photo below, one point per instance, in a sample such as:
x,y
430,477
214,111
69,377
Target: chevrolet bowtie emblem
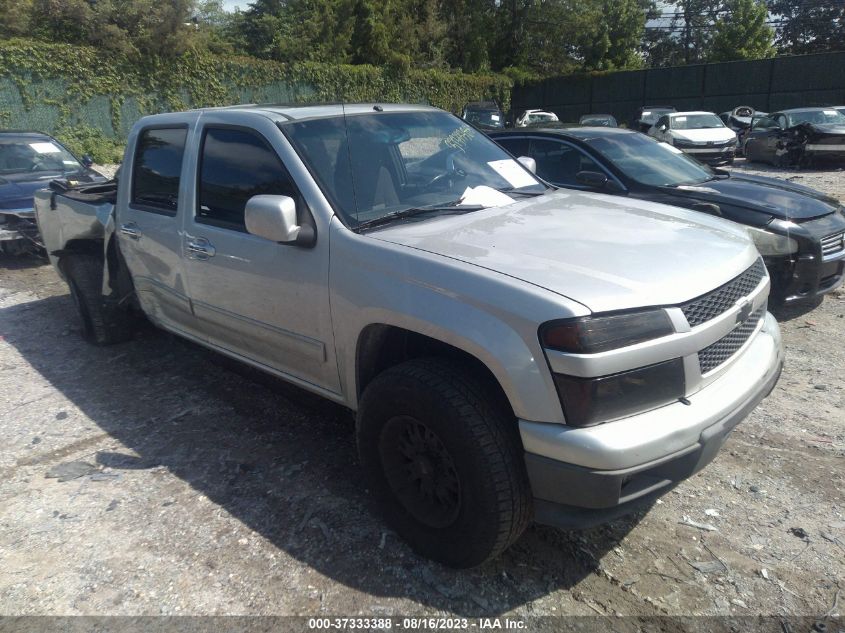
x,y
744,311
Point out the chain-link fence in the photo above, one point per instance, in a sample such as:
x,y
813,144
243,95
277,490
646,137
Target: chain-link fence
x,y
41,109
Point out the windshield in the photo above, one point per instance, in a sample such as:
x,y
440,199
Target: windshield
x,y
600,121
487,118
25,155
649,162
541,117
650,116
819,117
386,162
696,122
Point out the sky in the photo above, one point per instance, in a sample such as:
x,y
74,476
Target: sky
x,y
231,5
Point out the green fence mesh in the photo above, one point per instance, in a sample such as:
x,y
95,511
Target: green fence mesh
x,y
767,85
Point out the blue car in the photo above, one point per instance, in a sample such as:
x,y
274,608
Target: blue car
x,y
28,162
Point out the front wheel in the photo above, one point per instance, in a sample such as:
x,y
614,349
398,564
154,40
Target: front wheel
x,y
445,462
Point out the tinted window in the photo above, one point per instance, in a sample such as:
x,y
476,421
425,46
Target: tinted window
x,y
236,165
516,146
763,123
158,165
558,163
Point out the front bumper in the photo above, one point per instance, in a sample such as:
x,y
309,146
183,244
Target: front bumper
x,y
18,225
817,268
711,154
830,151
586,476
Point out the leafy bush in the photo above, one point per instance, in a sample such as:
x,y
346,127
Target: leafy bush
x,y
83,139
76,81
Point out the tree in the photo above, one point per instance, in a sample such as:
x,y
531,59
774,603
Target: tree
x,y
809,26
685,33
742,33
621,29
62,20
472,29
15,17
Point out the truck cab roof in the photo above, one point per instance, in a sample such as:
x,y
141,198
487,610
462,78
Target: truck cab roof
x,y
312,111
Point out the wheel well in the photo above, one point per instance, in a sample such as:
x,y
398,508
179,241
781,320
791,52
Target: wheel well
x,y
89,247
118,276
383,346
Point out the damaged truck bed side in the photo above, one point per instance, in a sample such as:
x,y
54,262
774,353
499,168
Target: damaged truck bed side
x,y
510,353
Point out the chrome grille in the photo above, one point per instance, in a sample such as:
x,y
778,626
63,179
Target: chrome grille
x,y
723,298
833,244
719,352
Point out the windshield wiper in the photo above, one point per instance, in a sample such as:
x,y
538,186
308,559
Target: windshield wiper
x,y
454,207
530,194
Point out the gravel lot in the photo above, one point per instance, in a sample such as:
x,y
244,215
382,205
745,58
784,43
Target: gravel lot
x,y
154,477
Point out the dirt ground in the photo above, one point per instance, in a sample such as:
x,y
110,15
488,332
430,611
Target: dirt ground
x,y
155,477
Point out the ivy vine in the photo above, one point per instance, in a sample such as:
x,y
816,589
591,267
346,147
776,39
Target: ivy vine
x,y
200,79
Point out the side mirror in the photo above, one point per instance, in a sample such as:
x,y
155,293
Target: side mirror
x,y
592,179
529,163
87,161
273,218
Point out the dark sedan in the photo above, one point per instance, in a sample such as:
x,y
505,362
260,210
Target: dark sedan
x,y
28,162
799,231
800,136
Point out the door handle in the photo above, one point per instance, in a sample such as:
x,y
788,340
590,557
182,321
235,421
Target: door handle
x,y
131,230
200,248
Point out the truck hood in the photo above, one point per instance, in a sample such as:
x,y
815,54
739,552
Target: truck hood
x,y
778,198
702,135
606,252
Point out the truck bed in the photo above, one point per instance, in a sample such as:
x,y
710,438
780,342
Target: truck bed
x,y
79,213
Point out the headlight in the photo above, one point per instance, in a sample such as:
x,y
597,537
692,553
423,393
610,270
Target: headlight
x,y
590,401
680,142
769,243
589,335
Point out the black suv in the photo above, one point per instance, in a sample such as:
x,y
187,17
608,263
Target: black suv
x,y
485,115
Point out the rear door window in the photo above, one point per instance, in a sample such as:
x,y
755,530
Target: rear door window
x,y
157,169
517,145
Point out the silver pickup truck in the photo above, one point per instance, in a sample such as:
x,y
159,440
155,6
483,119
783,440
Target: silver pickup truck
x,y
512,352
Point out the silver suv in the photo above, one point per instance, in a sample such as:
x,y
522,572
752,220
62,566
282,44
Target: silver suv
x,y
511,352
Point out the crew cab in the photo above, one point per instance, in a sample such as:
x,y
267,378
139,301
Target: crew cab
x,y
511,352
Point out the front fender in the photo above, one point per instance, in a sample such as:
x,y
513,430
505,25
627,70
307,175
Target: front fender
x,y
490,316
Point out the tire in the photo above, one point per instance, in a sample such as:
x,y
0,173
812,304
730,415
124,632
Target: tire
x,y
749,158
101,324
444,462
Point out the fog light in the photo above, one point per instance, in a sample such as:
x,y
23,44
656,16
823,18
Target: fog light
x,y
590,401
